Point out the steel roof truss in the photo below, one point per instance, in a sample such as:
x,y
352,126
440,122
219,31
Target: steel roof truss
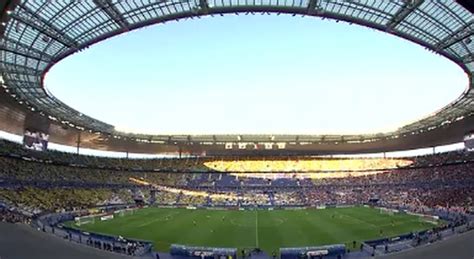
x,y
112,11
29,18
403,13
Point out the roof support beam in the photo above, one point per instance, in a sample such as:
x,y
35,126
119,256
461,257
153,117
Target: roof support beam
x,y
30,18
109,9
403,13
313,6
203,7
24,84
458,35
19,53
463,109
23,50
468,58
10,68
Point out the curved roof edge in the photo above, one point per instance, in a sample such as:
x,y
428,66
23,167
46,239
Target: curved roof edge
x,y
38,35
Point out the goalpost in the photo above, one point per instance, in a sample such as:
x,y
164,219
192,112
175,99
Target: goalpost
x,y
103,216
125,212
84,220
386,211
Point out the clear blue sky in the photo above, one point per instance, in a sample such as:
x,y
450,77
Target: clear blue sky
x,y
256,74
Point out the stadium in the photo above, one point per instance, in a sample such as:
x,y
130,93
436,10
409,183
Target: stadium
x,y
227,195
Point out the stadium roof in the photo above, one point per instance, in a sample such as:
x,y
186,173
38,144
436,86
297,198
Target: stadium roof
x,y
35,35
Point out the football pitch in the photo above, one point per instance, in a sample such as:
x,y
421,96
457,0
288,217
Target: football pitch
x,y
266,229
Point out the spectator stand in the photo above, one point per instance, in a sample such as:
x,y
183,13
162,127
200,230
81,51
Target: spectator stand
x,y
51,223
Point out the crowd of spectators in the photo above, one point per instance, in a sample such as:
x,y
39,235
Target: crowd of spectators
x,y
11,216
37,182
129,248
37,200
191,200
231,164
306,164
8,148
33,171
417,198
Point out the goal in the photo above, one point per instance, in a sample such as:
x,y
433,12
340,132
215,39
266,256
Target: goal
x,y
386,211
84,220
125,212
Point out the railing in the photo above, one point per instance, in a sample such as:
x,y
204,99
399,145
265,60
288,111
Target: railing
x,y
52,223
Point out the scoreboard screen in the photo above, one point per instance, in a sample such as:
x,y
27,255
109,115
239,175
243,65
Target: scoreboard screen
x,y
469,141
35,140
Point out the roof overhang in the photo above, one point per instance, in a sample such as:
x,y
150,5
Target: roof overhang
x,y
38,34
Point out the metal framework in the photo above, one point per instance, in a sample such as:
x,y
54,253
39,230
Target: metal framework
x,y
38,34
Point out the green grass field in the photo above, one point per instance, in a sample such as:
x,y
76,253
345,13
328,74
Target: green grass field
x,y
268,230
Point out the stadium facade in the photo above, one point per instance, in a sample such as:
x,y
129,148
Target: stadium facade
x,y
35,35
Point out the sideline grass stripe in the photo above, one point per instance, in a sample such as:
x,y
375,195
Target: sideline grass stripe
x,y
256,228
